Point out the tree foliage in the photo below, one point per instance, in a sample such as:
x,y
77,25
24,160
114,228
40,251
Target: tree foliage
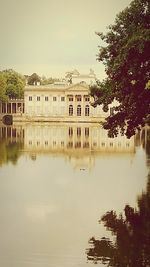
x,y
10,146
9,152
15,83
127,63
3,85
34,79
50,80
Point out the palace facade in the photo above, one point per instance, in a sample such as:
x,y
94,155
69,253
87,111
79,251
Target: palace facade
x,y
61,102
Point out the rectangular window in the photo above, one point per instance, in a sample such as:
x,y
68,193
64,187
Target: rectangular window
x,y
30,98
54,98
87,98
70,98
46,98
78,97
38,98
62,98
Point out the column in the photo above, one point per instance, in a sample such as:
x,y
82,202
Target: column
x,y
21,108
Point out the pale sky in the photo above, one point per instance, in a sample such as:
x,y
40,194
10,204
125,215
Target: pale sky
x,y
51,37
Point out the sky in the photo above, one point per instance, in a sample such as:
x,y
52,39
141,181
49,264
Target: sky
x,y
51,37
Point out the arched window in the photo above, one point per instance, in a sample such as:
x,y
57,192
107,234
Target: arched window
x,y
78,110
87,110
70,110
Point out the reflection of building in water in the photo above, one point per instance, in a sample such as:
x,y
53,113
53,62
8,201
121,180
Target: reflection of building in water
x,y
67,137
12,133
79,143
74,137
143,136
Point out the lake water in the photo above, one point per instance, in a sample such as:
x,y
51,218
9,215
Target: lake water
x,y
56,181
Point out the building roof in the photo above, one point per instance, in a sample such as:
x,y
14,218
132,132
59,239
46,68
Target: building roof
x,y
56,87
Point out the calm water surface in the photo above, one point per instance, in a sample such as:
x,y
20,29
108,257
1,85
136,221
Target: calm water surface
x,y
56,181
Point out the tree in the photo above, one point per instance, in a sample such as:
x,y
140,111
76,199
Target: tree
x,y
15,83
127,63
34,79
10,151
3,85
50,80
46,81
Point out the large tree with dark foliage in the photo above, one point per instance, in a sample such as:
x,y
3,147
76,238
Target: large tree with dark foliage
x,y
126,55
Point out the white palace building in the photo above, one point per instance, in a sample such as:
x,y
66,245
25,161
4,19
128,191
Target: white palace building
x,y
66,101
63,101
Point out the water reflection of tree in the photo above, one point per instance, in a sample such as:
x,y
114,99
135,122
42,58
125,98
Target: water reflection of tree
x,y
10,151
131,229
131,247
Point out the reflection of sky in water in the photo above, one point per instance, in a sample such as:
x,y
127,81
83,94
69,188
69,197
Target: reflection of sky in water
x,y
50,207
